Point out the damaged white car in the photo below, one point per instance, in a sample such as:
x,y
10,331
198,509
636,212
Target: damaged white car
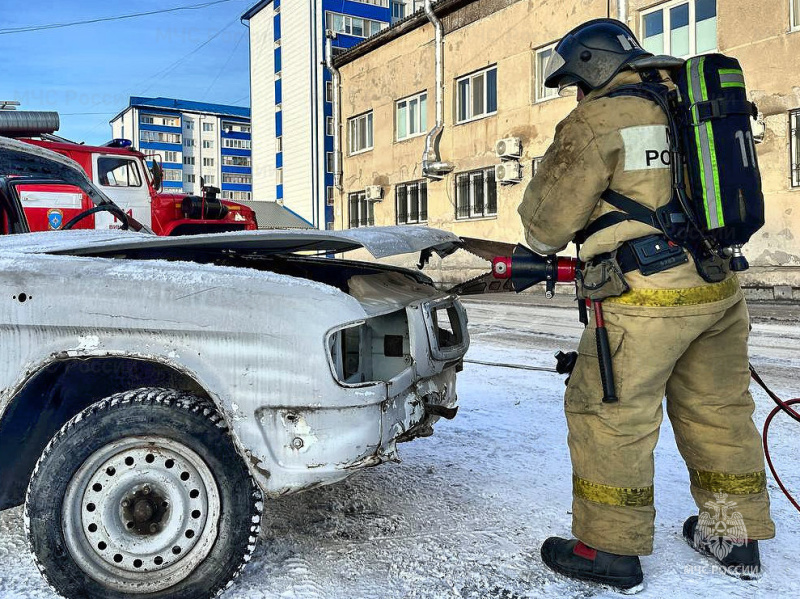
x,y
153,389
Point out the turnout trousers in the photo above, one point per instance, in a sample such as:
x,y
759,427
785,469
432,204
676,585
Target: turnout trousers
x,y
689,345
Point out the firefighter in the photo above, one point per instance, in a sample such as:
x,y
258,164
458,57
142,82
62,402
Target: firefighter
x,y
671,333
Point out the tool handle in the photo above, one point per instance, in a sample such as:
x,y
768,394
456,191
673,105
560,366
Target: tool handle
x,y
604,356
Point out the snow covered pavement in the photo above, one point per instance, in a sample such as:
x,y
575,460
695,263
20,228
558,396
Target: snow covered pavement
x,y
465,513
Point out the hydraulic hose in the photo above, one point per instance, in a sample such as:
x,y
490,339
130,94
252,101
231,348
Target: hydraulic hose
x,y
781,406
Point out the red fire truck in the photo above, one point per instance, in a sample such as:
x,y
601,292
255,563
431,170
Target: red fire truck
x,y
121,172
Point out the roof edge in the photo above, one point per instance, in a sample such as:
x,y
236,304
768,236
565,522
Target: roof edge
x,y
254,10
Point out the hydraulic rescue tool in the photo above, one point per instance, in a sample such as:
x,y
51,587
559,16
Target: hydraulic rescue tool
x,y
517,268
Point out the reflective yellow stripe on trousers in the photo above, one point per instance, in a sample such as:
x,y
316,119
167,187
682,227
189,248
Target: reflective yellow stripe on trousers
x,y
691,296
734,484
618,496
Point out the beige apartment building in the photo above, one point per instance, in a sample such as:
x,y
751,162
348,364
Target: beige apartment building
x,y
494,52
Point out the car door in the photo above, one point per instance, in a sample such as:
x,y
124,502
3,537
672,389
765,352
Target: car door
x,y
122,179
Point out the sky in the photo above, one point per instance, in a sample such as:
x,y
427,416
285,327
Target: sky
x,y
88,72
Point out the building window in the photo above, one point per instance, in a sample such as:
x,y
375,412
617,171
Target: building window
x,y
208,144
360,129
411,202
189,178
189,125
411,116
208,179
535,165
477,95
208,162
329,162
794,146
208,126
795,10
355,26
188,142
329,196
236,195
398,10
236,161
681,28
236,179
329,91
170,156
362,210
476,194
542,58
172,174
233,127
165,121
188,160
159,137
329,126
237,144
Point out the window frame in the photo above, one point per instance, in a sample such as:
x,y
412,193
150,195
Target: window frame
x,y
794,16
551,93
370,135
347,22
665,8
422,120
421,200
360,196
473,175
471,76
794,149
131,167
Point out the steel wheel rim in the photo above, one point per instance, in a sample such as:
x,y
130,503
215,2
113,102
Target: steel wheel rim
x,y
141,514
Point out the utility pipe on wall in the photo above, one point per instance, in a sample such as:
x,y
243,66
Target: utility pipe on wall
x,y
622,11
337,117
432,165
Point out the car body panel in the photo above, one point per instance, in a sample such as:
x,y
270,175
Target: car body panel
x,y
297,426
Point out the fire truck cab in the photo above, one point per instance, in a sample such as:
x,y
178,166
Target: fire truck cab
x,y
121,172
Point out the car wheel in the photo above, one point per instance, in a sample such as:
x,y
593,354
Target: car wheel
x,y
142,494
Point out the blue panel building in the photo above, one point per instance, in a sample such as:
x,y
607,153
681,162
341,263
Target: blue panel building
x,y
291,94
194,141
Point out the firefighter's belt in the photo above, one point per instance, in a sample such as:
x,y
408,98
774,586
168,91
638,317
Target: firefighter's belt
x,y
691,296
733,484
608,495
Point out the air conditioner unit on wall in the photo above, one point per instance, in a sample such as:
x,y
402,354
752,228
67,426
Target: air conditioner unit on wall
x,y
510,147
373,192
508,172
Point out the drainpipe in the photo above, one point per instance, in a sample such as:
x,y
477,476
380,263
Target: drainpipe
x,y
622,11
337,117
432,165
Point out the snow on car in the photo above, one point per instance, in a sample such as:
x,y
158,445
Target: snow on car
x,y
153,389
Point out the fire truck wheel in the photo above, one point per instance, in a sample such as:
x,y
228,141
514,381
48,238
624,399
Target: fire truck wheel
x,y
144,495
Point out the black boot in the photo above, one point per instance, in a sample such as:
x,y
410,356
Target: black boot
x,y
572,558
738,558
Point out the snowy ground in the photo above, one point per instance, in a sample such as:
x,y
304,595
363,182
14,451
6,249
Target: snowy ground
x,y
465,513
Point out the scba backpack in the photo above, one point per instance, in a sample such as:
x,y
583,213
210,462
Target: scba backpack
x,y
714,116
717,202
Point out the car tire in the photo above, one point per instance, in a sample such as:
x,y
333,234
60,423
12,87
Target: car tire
x,y
143,494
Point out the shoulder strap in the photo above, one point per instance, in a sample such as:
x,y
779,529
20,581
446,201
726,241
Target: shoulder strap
x,y
627,210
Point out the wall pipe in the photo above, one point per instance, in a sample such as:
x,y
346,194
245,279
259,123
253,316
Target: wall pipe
x,y
622,11
337,116
432,165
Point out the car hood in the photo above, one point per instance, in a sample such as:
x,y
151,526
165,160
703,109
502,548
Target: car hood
x,y
381,242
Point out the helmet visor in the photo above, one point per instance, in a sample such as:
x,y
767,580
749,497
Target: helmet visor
x,y
554,63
